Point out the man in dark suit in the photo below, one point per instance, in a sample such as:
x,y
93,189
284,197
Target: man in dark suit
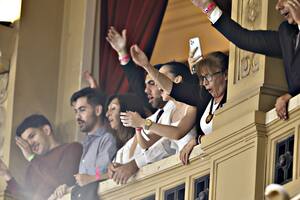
x,y
282,43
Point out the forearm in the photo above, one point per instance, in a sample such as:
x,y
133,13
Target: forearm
x,y
171,132
160,79
147,144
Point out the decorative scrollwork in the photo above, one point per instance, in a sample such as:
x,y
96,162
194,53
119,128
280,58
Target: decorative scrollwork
x,y
2,121
4,78
248,64
252,8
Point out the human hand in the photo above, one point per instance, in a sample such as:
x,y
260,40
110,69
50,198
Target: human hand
x,y
294,8
186,151
193,61
138,56
84,179
25,147
90,79
117,41
111,168
59,192
201,3
4,171
124,171
131,119
281,106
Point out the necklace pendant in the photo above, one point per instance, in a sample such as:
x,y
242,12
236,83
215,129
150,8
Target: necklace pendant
x,y
209,118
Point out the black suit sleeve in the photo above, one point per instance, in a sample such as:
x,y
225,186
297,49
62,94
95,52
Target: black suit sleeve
x,y
258,41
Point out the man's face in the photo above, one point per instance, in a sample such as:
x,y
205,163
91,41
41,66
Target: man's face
x,y
38,139
153,93
85,115
284,9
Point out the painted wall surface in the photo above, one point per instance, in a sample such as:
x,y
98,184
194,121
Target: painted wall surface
x,y
181,22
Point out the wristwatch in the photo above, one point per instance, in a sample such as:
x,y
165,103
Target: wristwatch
x,y
147,124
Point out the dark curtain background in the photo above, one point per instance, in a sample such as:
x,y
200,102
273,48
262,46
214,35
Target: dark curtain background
x,y
142,19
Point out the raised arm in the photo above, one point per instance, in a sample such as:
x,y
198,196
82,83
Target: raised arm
x,y
141,59
135,75
258,41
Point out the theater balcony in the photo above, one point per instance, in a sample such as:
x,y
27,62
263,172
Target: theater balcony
x,y
237,161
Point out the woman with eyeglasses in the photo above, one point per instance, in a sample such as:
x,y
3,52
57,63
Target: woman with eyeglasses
x,y
210,96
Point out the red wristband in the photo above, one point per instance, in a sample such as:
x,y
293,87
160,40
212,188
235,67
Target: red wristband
x,y
138,129
97,174
124,58
210,7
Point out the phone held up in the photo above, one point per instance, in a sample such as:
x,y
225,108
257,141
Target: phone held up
x,y
194,43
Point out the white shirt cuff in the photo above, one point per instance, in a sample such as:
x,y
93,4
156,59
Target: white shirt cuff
x,y
140,160
215,15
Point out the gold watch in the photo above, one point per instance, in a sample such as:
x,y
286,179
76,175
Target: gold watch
x,y
147,124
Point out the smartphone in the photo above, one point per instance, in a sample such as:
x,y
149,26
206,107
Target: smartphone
x,y
195,43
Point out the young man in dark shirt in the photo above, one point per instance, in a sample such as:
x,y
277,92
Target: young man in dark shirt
x,y
53,164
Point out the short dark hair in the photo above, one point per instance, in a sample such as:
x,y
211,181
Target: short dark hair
x,y
94,96
178,68
32,121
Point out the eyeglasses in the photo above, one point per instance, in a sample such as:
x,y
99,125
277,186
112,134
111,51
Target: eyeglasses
x,y
208,77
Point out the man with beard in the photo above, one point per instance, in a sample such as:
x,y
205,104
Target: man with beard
x,y
143,87
54,163
99,146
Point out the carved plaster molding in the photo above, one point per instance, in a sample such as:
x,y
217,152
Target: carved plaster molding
x,y
2,121
249,64
4,78
252,11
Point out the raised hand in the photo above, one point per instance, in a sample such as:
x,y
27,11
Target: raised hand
x,y
193,61
25,148
131,119
90,79
201,3
116,40
138,56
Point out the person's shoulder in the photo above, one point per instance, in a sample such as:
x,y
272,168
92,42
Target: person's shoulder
x,y
108,136
285,25
72,146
